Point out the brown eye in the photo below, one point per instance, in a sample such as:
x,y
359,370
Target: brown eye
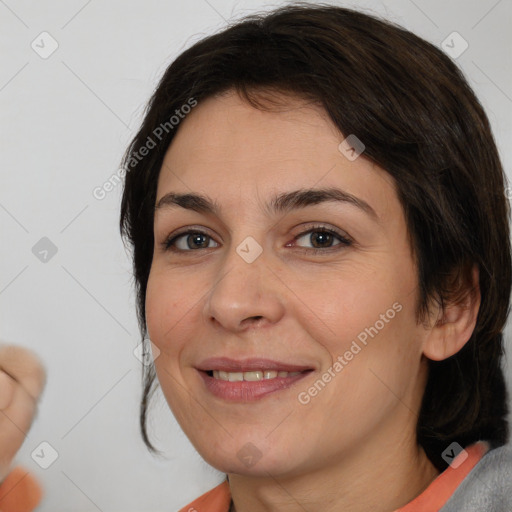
x,y
188,241
322,239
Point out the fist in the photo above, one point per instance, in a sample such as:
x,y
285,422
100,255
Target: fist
x,y
22,380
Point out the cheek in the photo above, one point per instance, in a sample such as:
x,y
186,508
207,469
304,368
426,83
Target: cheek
x,y
341,303
365,313
163,309
174,302
166,320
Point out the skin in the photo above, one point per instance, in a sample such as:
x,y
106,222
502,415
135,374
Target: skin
x,y
22,380
353,446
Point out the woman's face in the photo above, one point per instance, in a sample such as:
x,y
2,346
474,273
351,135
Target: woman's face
x,y
250,293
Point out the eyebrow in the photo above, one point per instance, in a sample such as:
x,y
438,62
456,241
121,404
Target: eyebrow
x,y
280,203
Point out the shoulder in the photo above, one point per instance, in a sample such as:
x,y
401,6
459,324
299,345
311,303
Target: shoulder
x,y
488,486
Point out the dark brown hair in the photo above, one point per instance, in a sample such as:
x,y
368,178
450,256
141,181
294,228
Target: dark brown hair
x,y
420,121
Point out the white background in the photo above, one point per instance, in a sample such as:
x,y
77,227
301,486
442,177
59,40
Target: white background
x,y
65,122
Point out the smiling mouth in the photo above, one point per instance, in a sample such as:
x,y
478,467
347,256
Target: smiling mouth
x,y
252,376
250,379
249,386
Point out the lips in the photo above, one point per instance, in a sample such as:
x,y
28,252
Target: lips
x,y
239,380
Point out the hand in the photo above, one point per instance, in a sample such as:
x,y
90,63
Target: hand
x,y
22,380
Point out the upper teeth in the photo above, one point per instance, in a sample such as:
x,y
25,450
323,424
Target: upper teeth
x,y
251,376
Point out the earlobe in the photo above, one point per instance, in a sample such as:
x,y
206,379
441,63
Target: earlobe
x,y
455,324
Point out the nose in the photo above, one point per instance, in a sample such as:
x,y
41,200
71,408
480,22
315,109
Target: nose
x,y
245,295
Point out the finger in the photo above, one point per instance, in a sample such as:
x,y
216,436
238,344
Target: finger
x,y
24,366
7,390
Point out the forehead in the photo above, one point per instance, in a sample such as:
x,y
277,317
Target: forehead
x,y
226,147
228,128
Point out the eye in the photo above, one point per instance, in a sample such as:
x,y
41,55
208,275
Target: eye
x,y
188,241
322,238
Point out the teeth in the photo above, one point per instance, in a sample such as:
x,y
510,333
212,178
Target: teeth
x,y
251,376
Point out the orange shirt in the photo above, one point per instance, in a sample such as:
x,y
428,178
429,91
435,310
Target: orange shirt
x,y
430,500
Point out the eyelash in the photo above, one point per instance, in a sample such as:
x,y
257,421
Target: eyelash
x,y
168,245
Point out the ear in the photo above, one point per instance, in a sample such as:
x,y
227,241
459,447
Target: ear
x,y
454,326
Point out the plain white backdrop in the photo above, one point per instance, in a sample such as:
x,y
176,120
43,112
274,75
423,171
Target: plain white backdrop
x,y
66,120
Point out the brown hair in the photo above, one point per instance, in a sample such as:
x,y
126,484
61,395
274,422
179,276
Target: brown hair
x,y
420,121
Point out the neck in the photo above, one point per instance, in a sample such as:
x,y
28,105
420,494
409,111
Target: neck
x,y
381,476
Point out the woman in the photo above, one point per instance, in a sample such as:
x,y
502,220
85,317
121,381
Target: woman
x,y
321,251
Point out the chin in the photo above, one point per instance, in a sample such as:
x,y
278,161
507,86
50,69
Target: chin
x,y
253,459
